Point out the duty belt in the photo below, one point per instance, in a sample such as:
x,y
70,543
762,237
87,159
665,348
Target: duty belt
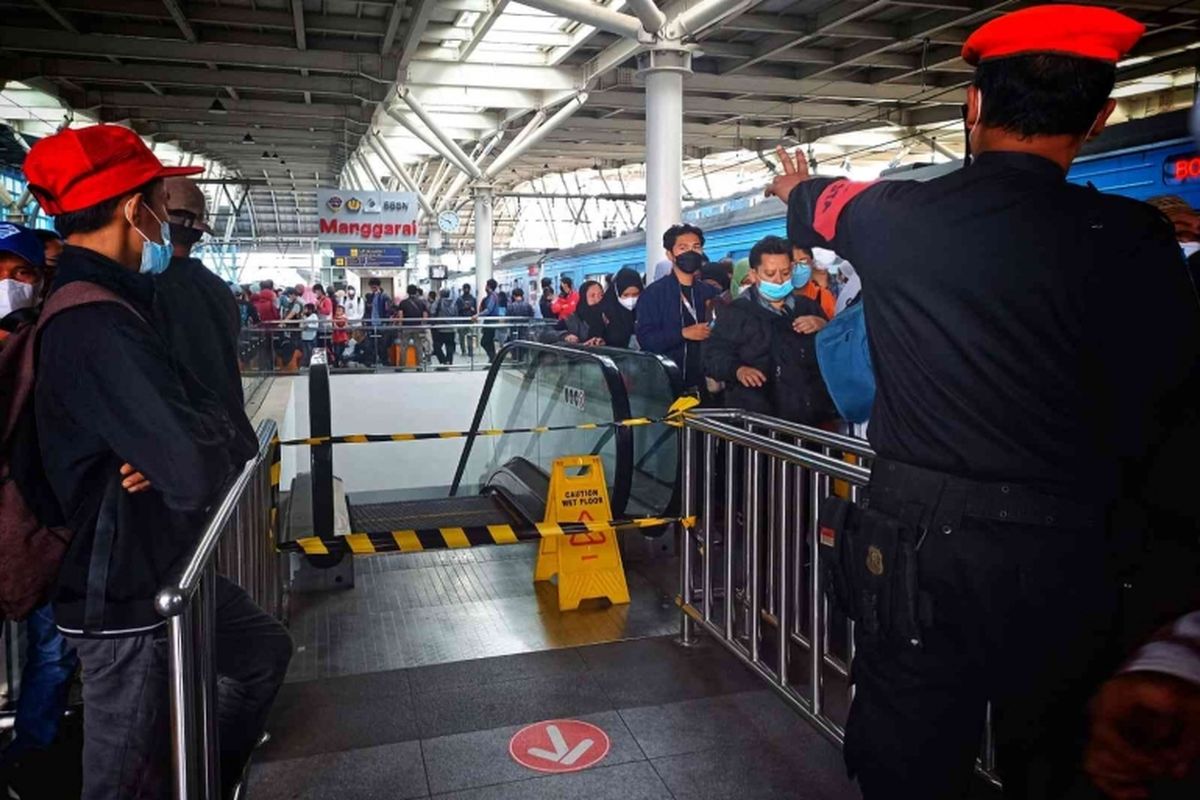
x,y
939,499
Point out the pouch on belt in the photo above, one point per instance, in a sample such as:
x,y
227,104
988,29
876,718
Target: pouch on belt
x,y
869,564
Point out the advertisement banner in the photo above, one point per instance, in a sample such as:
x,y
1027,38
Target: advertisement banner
x,y
347,216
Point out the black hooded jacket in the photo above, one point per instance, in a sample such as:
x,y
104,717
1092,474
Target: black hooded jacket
x,y
198,316
108,393
749,335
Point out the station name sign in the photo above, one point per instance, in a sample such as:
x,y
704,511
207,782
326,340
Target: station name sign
x,y
378,217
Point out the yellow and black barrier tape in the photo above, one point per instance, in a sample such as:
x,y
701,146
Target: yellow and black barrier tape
x,y
417,540
674,416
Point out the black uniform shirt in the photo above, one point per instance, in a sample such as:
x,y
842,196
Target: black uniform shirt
x,y
1003,344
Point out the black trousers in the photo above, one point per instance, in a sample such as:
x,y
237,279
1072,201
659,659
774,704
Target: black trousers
x,y
1024,616
443,346
488,341
126,726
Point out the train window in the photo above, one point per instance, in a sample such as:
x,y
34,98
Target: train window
x,y
1182,168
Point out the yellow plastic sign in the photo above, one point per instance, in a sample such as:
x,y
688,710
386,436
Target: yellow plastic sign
x,y
588,565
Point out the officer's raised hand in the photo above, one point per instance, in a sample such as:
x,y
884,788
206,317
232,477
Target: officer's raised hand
x,y
795,172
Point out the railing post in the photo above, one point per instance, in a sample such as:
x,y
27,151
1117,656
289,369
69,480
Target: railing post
x,y
182,659
686,634
204,630
321,455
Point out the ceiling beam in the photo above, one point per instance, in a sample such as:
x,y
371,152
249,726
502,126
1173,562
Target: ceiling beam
x,y
492,76
298,24
58,16
417,22
481,28
720,106
395,15
838,14
181,20
96,71
265,110
825,89
168,50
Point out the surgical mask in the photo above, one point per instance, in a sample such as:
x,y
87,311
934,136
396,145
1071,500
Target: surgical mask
x,y
15,295
156,257
628,302
774,291
801,275
1189,249
690,262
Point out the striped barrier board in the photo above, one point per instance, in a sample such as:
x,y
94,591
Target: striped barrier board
x,y
674,417
417,540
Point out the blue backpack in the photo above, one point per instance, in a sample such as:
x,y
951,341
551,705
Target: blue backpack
x,y
845,361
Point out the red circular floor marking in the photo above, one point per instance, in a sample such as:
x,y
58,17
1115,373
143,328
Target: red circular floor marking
x,y
559,745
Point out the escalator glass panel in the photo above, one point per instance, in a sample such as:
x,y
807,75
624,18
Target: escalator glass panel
x,y
540,386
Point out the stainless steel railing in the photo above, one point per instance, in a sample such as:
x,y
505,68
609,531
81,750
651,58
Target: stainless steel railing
x,y
238,541
750,572
270,347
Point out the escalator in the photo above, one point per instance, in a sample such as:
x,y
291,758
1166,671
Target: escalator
x,y
504,480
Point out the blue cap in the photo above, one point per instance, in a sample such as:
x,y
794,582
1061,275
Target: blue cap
x,y
23,242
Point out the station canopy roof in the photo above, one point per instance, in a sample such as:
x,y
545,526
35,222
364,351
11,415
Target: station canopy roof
x,y
280,97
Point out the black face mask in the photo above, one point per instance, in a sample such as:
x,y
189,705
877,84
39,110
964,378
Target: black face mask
x,y
690,261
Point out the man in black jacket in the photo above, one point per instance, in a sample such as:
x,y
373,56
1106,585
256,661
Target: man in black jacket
x,y
762,344
108,392
198,315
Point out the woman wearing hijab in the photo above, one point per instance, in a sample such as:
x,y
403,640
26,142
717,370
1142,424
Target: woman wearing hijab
x,y
587,325
619,305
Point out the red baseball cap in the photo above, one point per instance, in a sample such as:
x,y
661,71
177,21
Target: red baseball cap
x,y
1080,31
77,168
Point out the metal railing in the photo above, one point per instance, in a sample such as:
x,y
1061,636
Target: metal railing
x,y
238,541
750,571
279,347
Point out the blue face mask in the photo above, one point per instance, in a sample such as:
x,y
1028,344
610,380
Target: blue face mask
x,y
155,257
801,274
774,291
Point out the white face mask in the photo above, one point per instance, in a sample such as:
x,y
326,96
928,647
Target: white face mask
x,y
15,295
629,302
1189,249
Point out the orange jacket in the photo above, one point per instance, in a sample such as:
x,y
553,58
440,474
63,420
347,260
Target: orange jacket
x,y
814,291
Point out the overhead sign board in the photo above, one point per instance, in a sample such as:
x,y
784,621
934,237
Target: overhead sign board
x,y
1182,168
354,216
373,256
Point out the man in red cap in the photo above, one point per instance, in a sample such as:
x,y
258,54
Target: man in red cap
x,y
1015,417
108,393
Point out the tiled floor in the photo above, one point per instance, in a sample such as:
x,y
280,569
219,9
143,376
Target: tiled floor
x,y
683,724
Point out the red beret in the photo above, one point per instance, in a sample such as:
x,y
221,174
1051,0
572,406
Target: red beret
x,y
1080,31
77,168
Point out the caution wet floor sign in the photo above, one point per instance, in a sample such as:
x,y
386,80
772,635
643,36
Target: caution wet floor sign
x,y
588,564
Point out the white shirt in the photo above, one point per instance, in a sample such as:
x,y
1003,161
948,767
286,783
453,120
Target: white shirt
x,y
354,307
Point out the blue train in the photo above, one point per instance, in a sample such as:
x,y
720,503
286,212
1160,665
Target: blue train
x,y
1138,159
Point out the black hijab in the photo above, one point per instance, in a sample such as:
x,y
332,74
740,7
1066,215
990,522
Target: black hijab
x,y
592,315
620,319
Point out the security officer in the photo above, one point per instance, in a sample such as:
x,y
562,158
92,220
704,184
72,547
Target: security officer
x,y
1014,413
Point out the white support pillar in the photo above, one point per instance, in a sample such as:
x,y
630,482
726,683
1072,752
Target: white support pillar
x,y
664,69
483,237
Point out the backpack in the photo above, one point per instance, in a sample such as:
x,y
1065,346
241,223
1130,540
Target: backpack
x,y
845,360
32,544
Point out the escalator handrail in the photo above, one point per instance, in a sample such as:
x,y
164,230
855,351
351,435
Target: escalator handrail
x,y
623,480
669,367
